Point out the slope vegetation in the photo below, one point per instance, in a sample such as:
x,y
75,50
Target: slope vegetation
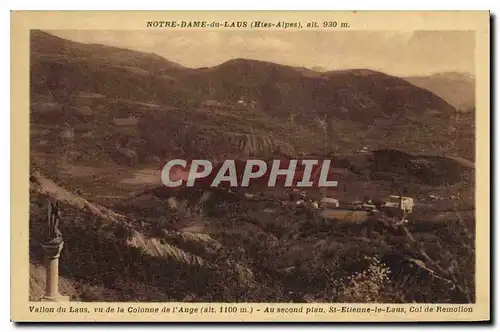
x,y
93,102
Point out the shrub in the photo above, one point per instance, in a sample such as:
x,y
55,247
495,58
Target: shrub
x,y
369,285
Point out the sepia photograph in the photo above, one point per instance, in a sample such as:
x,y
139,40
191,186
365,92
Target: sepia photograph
x,y
394,115
310,163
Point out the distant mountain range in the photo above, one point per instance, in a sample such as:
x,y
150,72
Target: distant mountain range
x,y
135,107
456,88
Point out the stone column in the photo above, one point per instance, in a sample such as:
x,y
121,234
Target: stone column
x,y
52,253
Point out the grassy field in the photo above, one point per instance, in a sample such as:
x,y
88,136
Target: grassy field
x,y
344,214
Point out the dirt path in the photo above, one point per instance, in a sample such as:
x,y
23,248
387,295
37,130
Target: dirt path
x,y
143,176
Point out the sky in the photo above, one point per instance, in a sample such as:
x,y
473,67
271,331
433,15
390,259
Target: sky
x,y
397,53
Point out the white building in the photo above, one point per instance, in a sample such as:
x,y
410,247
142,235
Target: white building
x,y
404,203
329,202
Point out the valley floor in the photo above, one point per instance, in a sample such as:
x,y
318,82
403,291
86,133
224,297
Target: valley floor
x,y
133,243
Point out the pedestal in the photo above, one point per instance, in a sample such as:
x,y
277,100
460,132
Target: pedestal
x,y
59,298
52,253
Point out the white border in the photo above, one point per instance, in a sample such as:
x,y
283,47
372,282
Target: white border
x,y
186,5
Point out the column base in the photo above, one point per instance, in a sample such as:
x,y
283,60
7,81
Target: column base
x,y
57,298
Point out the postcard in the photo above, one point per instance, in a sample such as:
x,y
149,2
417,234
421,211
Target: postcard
x,y
250,166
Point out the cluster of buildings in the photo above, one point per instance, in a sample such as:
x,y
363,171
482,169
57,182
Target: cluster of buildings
x,y
395,202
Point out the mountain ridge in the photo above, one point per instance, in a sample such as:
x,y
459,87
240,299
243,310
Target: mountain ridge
x,y
241,106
